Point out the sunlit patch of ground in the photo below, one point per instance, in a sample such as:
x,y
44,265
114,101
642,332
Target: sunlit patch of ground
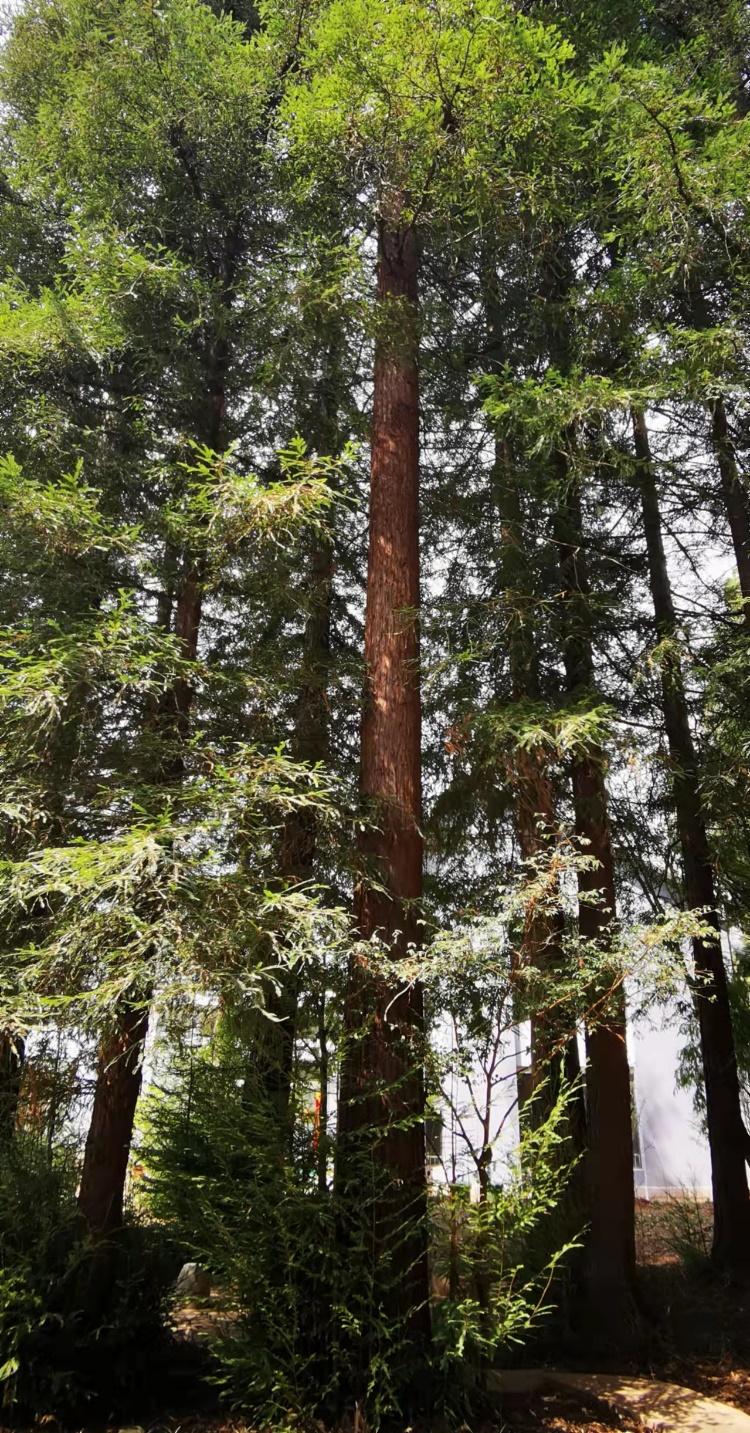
x,y
203,1318
721,1380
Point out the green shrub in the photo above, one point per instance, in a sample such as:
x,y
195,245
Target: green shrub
x,y
687,1228
307,1330
79,1325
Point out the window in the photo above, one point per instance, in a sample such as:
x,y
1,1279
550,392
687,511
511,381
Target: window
x,y
433,1137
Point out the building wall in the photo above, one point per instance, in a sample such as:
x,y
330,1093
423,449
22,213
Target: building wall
x,y
672,1151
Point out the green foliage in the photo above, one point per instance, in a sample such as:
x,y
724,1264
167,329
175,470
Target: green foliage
x,y
410,96
63,1347
689,1068
303,1323
578,727
500,1274
66,515
684,1223
219,509
188,198
158,902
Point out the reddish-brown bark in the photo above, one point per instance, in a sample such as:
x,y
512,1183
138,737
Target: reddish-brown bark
x,y
381,1083
726,1133
391,724
118,1083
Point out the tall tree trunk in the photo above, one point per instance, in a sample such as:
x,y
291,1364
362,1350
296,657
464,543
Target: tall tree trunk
x,y
382,1095
534,795
726,1134
610,1250
119,1069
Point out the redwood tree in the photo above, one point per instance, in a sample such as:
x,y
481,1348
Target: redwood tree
x,y
382,1095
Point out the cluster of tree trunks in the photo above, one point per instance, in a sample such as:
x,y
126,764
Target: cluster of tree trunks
x,y
382,1094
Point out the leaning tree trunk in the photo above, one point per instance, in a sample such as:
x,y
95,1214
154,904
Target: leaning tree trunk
x,y
119,1069
726,1134
118,1083
382,1096
610,1248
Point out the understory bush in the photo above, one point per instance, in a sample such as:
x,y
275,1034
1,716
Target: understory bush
x,y
80,1324
687,1230
313,1322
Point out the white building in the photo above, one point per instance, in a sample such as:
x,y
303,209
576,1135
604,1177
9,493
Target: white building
x,y
672,1155
671,1150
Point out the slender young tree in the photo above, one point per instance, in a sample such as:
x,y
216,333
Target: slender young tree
x,y
610,1249
734,496
12,1052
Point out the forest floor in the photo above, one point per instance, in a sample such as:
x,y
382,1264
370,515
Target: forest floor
x,y
695,1329
700,1328
695,1332
547,1413
560,1413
